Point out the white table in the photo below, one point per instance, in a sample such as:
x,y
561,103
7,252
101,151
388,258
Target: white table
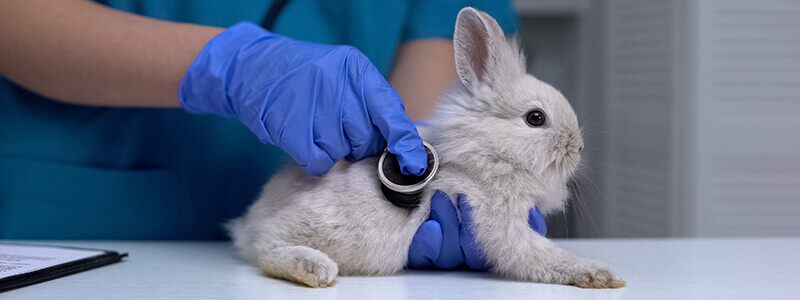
x,y
753,269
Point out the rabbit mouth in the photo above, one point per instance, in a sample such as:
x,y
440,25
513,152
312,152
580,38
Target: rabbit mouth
x,y
568,163
574,160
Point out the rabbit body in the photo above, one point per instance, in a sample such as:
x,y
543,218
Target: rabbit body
x,y
309,229
343,215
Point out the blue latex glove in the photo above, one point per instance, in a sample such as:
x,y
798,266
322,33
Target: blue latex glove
x,y
445,243
319,103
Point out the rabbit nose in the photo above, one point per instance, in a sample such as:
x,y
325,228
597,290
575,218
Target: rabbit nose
x,y
580,149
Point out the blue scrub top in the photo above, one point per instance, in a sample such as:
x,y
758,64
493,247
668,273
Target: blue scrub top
x,y
78,172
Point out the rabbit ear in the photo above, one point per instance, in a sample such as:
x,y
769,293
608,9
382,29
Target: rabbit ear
x,y
478,41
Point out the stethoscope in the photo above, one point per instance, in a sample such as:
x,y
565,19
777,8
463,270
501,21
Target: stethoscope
x,y
272,14
404,191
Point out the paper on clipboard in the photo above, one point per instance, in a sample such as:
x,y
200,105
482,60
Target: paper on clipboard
x,y
21,259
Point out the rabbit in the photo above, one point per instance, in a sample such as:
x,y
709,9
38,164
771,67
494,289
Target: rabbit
x,y
311,229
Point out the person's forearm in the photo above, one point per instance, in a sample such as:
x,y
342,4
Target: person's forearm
x,y
423,71
84,53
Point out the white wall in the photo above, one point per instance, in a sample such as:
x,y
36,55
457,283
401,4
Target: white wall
x,y
692,107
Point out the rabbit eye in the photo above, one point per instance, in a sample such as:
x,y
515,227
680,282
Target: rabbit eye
x,y
535,118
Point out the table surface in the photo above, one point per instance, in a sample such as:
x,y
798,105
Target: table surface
x,y
765,268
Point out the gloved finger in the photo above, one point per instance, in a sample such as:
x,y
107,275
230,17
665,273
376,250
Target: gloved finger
x,y
315,161
426,246
330,139
472,253
364,138
296,126
325,114
307,154
536,221
444,212
364,151
387,112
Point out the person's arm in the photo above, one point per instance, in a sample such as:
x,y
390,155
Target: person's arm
x,y
319,103
423,71
81,52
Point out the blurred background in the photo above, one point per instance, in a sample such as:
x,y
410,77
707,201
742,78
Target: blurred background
x,y
690,111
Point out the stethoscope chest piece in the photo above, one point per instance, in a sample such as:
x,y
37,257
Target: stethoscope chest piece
x,y
401,189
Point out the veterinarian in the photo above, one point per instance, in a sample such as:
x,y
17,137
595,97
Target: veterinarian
x,y
123,119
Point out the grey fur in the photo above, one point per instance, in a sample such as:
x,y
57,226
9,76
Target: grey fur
x,y
309,229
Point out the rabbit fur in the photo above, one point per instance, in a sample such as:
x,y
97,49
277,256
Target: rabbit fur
x,y
310,229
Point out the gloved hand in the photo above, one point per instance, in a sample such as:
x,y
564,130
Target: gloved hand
x,y
319,103
444,242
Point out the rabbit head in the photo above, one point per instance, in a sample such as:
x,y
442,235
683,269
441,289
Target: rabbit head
x,y
503,126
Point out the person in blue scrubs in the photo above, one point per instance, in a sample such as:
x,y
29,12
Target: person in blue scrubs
x,y
137,119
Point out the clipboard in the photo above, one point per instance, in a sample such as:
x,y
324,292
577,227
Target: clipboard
x,y
26,264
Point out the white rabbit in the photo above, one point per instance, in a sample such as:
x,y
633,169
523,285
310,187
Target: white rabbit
x,y
492,148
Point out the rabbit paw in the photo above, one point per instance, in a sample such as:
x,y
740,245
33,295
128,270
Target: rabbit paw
x,y
300,264
316,272
595,277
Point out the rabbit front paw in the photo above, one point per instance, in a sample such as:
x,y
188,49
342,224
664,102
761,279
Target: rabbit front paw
x,y
300,264
315,272
595,277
